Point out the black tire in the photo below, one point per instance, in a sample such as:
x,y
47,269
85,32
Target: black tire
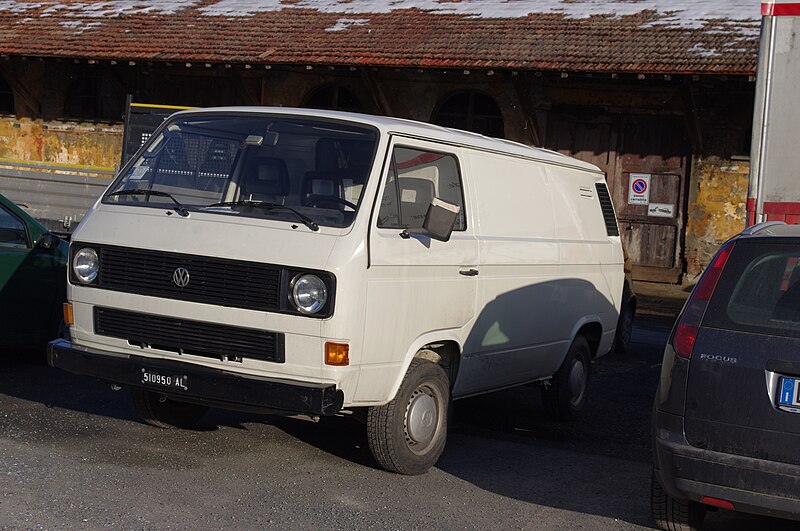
x,y
671,514
622,338
157,410
425,395
565,397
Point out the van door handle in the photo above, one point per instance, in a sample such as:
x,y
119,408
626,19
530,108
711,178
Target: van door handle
x,y
469,272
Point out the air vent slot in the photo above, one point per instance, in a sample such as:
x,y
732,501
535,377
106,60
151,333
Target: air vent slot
x,y
608,209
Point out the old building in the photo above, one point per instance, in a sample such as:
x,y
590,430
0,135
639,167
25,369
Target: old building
x,y
658,93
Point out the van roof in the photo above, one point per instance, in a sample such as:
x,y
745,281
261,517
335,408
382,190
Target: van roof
x,y
413,128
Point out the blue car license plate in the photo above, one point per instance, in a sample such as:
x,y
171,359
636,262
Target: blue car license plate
x,y
789,392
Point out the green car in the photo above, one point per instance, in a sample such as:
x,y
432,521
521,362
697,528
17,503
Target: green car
x,y
33,276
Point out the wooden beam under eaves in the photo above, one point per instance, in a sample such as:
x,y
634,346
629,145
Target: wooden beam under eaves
x,y
693,118
376,91
531,123
248,95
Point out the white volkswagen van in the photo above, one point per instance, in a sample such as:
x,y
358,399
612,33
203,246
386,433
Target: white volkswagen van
x,y
315,262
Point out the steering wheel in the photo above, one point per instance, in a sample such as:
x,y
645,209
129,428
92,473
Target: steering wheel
x,y
315,200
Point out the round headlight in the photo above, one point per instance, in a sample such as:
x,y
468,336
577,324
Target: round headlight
x,y
309,293
86,265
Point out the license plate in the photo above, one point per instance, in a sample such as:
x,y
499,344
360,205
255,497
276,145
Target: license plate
x,y
173,382
789,392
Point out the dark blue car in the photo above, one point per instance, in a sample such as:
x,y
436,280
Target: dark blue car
x,y
726,418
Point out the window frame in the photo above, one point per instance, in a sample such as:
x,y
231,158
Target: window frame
x,y
389,164
469,112
200,114
25,228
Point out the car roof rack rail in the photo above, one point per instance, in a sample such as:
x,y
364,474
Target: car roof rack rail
x,y
755,229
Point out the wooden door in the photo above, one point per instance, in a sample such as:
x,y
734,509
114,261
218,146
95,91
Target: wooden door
x,y
655,149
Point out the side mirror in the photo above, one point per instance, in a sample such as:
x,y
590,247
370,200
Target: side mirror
x,y
439,221
46,241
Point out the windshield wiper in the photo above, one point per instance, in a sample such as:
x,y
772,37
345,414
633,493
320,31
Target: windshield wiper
x,y
305,220
179,208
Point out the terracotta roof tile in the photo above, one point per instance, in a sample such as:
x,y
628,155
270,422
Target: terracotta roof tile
x,y
640,42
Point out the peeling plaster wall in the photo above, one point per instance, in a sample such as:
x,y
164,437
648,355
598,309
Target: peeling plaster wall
x,y
57,168
717,208
53,142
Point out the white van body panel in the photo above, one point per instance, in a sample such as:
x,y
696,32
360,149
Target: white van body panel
x,y
533,232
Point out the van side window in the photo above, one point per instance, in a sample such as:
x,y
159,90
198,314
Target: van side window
x,y
414,178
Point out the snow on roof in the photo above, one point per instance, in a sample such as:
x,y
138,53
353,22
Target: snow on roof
x,y
673,36
684,13
680,13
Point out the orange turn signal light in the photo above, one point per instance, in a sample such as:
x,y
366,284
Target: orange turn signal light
x,y
69,317
337,354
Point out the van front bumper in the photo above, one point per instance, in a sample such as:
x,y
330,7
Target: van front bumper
x,y
205,385
753,485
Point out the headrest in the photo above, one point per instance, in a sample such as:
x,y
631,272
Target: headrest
x,y
267,176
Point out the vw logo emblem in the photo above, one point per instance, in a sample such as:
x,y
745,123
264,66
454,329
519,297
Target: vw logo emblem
x,y
181,277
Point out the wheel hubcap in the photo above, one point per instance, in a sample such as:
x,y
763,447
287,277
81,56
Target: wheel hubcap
x,y
421,417
577,382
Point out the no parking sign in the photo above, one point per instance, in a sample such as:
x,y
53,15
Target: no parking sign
x,y
639,189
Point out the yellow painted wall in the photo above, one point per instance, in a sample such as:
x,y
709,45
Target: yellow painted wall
x,y
717,208
97,146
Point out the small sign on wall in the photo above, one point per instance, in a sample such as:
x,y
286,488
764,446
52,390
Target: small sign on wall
x,y
639,189
661,210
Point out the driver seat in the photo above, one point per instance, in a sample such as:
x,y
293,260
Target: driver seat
x,y
267,179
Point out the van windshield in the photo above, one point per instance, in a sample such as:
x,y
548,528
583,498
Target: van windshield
x,y
254,166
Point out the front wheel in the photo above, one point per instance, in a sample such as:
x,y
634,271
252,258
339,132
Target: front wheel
x,y
158,410
408,434
565,398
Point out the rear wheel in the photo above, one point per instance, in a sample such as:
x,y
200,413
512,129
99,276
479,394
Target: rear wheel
x,y
565,397
158,410
672,514
408,434
622,339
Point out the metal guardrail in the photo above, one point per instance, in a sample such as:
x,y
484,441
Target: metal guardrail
x,y
57,195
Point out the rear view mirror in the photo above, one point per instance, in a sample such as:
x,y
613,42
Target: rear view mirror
x,y
439,221
45,241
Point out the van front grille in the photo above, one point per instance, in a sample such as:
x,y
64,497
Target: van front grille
x,y
189,337
234,283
